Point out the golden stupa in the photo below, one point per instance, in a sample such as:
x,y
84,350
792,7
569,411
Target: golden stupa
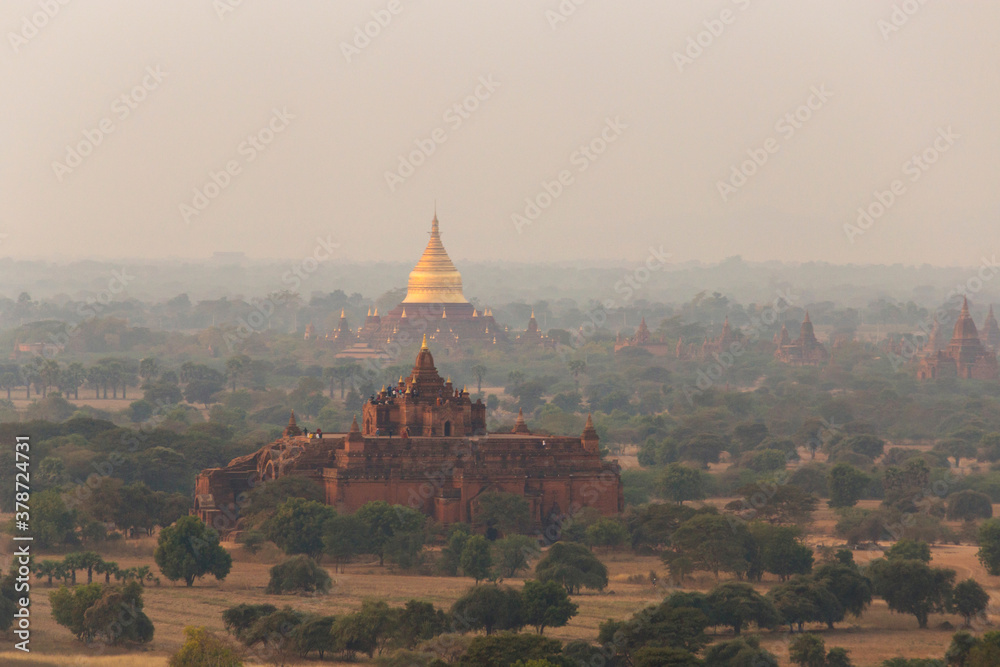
x,y
435,279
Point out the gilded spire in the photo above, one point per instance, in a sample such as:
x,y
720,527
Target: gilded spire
x,y
423,345
342,313
435,279
404,313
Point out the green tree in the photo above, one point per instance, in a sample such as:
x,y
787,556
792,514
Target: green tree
x,y
189,549
507,513
512,554
573,566
737,604
774,503
52,523
780,551
94,611
679,483
804,600
847,485
851,588
385,523
989,546
969,505
419,621
547,605
713,543
299,574
909,550
274,634
606,532
490,608
314,634
344,536
201,647
912,587
451,554
808,651
297,526
479,371
505,649
970,599
739,652
476,559
241,618
367,630
264,499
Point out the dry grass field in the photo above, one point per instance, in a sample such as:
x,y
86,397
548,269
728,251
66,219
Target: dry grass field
x,y
877,635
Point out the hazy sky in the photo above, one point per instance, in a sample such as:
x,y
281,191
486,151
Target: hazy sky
x,y
339,111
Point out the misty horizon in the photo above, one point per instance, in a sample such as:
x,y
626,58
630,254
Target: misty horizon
x,y
847,133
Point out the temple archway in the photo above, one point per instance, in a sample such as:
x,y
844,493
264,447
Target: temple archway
x,y
447,428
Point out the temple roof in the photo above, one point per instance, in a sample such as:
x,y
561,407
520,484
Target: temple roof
x,y
965,328
435,279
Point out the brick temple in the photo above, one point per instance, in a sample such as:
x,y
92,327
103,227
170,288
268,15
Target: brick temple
x,y
965,356
805,350
423,443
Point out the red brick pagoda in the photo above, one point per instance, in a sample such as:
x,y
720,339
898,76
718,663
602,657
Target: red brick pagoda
x,y
965,357
804,350
424,444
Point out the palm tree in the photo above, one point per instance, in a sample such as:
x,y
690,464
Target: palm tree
x,y
49,569
346,372
480,372
107,568
28,376
96,378
9,380
330,375
49,373
236,368
73,377
577,366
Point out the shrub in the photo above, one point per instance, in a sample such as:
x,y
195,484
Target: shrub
x,y
298,574
201,647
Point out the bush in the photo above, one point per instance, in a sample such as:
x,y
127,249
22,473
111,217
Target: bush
x,y
94,611
201,647
299,574
506,648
